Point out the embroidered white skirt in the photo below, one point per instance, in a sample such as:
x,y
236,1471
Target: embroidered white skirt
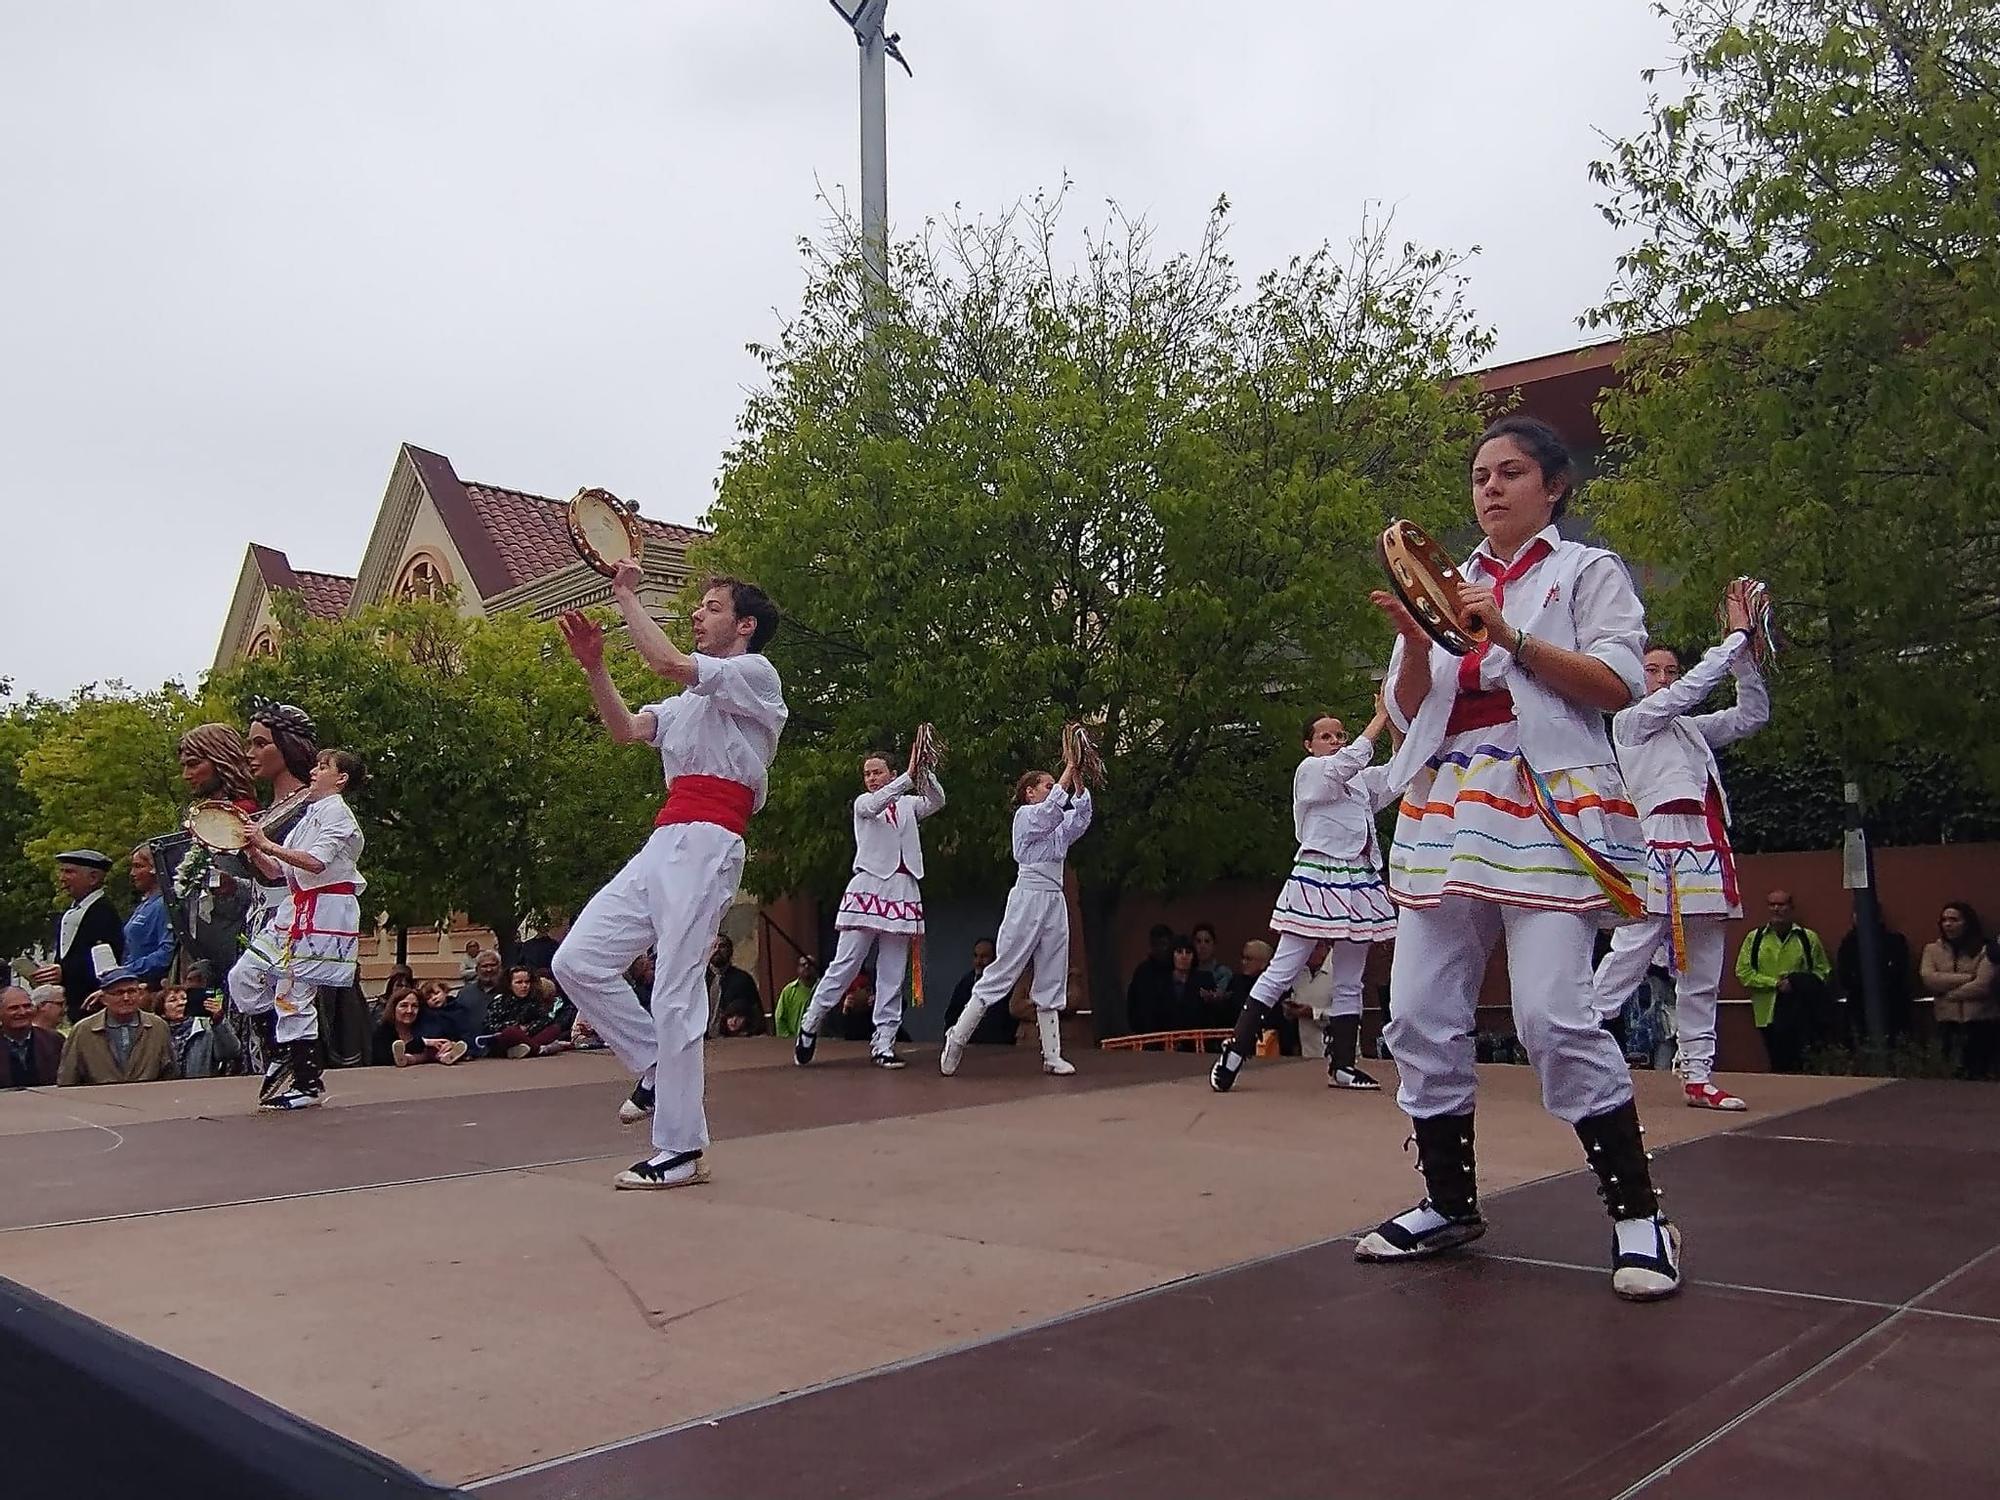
x,y
873,904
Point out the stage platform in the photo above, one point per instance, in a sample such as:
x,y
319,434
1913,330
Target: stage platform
x,y
1117,1284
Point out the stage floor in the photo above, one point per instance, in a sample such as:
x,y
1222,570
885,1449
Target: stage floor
x,y
1002,1283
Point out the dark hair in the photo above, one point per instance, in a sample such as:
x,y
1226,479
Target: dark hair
x,y
724,945
1200,927
881,755
522,969
748,599
294,740
1159,930
400,971
348,764
1023,782
1975,930
1544,445
1666,646
1183,944
1312,724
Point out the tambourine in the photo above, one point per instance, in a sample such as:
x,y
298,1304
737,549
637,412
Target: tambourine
x,y
220,827
1078,746
605,530
1425,578
1765,639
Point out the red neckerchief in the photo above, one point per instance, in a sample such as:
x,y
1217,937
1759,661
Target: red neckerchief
x,y
1500,577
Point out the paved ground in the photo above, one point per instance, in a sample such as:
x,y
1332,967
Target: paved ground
x,y
1116,1284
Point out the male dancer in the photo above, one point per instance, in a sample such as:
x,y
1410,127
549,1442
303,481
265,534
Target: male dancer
x,y
1335,895
883,907
716,739
1667,754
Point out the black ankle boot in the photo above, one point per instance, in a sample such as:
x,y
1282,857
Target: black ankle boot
x,y
1615,1147
305,1067
1343,1041
1449,1213
1240,1047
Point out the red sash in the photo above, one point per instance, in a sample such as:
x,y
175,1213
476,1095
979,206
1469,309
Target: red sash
x,y
1480,709
707,799
305,911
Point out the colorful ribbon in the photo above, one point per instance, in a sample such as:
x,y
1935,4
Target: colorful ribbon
x,y
1610,879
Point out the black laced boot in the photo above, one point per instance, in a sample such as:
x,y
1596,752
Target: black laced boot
x,y
1449,1213
1240,1047
1645,1247
277,1059
1343,1040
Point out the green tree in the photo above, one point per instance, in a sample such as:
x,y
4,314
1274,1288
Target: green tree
x,y
492,790
1009,493
1813,382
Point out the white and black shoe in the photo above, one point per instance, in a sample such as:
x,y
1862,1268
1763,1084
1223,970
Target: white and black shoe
x,y
1222,1077
287,1100
669,1169
1645,1259
1350,1077
1419,1232
803,1046
638,1107
277,1078
887,1060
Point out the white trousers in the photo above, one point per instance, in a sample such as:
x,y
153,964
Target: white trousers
x,y
1034,930
1695,992
1344,960
1440,958
670,897
257,984
892,962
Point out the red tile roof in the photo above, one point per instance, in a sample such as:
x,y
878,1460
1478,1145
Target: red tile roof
x,y
325,594
532,534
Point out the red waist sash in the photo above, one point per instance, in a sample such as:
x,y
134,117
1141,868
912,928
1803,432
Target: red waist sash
x,y
1480,709
707,799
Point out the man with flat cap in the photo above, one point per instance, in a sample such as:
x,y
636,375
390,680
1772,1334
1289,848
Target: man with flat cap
x,y
120,1043
90,921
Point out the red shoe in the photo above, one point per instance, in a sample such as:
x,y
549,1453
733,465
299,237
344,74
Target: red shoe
x,y
1708,1096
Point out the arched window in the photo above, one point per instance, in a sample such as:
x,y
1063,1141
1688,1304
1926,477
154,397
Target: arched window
x,y
424,576
263,643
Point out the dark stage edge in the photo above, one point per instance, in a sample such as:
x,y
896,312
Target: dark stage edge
x,y
1840,1336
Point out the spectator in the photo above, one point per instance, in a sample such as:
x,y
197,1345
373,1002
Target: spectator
x,y
89,924
855,1020
997,1027
468,965
120,1043
1256,958
1144,1002
1892,965
1167,999
539,952
796,996
34,1054
1213,974
524,1026
401,977
477,999
1309,1001
1966,1011
51,1008
640,976
397,1042
1785,969
443,1017
149,941
555,1000
732,990
201,1048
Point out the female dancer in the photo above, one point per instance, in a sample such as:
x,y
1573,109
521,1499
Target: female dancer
x,y
883,907
208,895
1050,814
315,936
1334,895
1515,822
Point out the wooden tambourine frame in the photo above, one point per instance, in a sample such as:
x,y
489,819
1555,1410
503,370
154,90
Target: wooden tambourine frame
x,y
1425,578
604,530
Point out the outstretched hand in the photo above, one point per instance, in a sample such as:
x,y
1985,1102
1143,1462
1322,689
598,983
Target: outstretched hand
x,y
1400,617
584,637
626,576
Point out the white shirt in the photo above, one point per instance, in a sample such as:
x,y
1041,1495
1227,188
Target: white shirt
x,y
1579,598
726,724
885,827
327,831
70,921
1334,801
1665,752
1044,830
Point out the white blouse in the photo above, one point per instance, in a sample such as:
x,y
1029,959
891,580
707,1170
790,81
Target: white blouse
x,y
327,831
1044,830
725,724
1335,798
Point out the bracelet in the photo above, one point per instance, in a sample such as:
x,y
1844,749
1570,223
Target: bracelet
x,y
1521,642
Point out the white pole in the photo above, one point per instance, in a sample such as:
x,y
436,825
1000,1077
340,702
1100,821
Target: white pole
x,y
874,143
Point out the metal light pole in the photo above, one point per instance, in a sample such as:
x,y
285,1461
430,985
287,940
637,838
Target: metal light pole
x,y
877,47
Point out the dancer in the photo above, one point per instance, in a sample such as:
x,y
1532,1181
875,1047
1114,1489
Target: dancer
x,y
282,744
1515,822
1334,895
716,739
1050,814
314,937
883,908
1667,754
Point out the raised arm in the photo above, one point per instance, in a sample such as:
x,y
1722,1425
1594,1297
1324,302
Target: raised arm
x,y
930,795
585,639
874,804
655,649
1656,711
1076,817
1752,709
1408,681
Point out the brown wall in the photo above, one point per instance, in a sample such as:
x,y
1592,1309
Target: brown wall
x,y
1913,883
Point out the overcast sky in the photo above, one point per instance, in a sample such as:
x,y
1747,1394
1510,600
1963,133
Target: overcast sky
x,y
250,247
